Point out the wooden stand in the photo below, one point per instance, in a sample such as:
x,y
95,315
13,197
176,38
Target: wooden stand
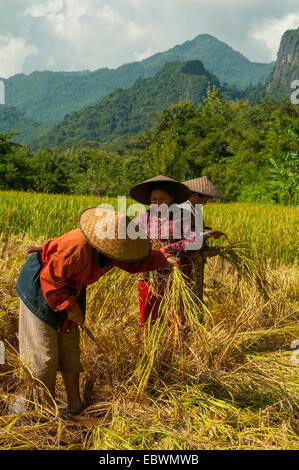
x,y
198,275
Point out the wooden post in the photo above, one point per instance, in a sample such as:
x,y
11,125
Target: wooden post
x,y
198,275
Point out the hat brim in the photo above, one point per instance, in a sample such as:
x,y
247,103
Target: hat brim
x,y
118,249
142,191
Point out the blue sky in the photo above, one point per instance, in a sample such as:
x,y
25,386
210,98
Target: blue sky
x,y
67,35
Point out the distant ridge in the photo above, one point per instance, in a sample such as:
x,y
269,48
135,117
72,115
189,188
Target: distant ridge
x,y
126,112
48,96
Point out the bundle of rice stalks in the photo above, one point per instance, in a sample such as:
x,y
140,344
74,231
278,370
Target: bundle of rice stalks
x,y
248,264
184,336
164,341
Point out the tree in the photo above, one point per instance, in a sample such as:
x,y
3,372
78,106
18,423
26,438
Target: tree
x,y
165,158
5,145
284,170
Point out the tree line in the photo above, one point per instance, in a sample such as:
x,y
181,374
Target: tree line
x,y
250,152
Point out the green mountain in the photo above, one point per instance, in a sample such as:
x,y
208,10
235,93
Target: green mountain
x,y
127,112
13,120
287,66
49,96
228,65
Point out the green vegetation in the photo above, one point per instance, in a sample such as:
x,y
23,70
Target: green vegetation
x,y
48,96
12,120
126,112
249,152
228,65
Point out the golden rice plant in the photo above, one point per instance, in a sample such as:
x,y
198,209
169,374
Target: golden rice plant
x,y
222,380
271,229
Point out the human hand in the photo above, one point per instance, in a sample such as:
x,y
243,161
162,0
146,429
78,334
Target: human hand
x,y
210,253
34,249
215,233
76,315
173,261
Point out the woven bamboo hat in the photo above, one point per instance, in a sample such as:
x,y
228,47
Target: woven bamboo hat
x,y
142,191
107,232
204,186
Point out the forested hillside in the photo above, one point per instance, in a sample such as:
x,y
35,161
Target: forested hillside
x,y
287,66
13,120
249,152
48,96
126,112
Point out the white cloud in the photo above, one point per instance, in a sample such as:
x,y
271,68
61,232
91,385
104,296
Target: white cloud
x,y
134,31
91,34
272,31
143,55
108,14
51,62
41,9
13,52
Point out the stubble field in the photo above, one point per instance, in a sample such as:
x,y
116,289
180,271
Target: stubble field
x,y
229,380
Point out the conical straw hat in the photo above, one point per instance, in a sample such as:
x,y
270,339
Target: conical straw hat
x,y
204,186
142,191
107,231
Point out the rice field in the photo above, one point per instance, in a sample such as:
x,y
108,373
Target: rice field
x,y
228,380
271,230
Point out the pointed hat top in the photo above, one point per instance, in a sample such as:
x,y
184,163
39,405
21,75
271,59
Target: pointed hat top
x,y
204,186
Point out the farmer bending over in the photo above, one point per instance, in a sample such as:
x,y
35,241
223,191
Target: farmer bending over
x,y
52,289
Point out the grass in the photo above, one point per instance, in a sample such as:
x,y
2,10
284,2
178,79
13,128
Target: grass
x,y
223,381
271,230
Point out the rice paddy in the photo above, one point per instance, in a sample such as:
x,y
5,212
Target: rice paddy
x,y
226,379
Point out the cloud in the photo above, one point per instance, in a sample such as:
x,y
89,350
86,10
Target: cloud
x,y
13,52
39,10
91,34
272,31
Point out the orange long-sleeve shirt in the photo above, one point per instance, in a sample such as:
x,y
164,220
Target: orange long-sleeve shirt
x,y
70,261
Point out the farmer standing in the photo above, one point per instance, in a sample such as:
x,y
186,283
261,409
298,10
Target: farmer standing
x,y
52,289
161,229
202,190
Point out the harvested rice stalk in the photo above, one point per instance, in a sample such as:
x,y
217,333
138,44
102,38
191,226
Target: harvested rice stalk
x,y
248,265
180,312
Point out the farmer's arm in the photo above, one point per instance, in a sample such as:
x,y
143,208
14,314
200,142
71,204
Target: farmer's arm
x,y
187,229
186,245
191,242
157,259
